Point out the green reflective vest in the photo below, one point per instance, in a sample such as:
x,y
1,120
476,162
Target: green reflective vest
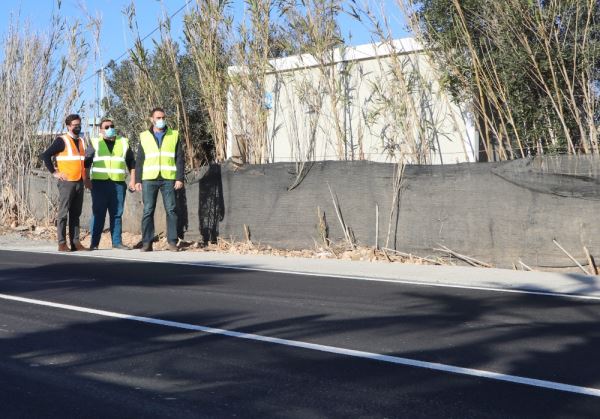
x,y
107,165
159,161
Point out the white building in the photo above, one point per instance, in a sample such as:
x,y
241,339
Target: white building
x,y
387,103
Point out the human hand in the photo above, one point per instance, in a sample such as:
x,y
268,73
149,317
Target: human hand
x,y
138,187
60,176
87,183
132,186
178,185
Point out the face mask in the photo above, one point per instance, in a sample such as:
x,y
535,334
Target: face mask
x,y
76,130
160,123
109,132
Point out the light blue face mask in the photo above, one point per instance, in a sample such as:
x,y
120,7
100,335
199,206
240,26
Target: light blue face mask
x,y
160,123
109,132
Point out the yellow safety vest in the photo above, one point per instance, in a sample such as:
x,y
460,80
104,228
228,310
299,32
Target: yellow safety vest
x,y
107,165
159,161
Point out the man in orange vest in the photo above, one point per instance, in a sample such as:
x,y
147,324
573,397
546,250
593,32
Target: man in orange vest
x,y
69,153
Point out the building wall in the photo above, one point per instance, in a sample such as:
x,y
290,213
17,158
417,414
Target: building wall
x,y
390,105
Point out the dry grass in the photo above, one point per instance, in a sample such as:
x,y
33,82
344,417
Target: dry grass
x,y
341,251
335,251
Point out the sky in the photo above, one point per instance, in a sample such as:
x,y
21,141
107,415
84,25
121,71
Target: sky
x,y
115,36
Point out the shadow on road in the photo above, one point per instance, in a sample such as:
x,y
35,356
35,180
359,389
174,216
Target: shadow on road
x,y
67,363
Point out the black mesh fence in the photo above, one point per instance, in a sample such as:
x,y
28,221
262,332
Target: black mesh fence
x,y
496,212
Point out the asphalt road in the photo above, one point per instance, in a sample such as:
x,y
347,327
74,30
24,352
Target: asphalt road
x,y
64,362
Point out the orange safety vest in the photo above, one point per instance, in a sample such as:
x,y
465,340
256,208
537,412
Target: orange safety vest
x,y
70,160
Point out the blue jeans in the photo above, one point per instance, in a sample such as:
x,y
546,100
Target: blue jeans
x,y
150,190
107,196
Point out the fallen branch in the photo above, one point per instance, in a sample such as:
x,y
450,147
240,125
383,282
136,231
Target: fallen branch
x,y
468,259
570,257
409,255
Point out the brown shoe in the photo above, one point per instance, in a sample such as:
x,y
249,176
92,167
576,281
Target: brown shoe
x,y
62,247
78,246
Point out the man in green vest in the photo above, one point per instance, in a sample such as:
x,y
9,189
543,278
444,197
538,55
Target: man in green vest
x,y
160,166
108,159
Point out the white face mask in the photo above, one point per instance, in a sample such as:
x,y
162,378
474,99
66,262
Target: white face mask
x,y
160,123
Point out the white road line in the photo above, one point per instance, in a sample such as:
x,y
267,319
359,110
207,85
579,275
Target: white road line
x,y
321,348
326,275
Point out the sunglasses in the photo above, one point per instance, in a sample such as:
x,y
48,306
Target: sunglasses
x,y
108,126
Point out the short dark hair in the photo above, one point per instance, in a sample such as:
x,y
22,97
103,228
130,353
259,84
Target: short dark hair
x,y
157,109
71,118
105,119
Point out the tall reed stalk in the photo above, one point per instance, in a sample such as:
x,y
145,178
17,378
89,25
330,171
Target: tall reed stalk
x,y
206,30
40,78
527,68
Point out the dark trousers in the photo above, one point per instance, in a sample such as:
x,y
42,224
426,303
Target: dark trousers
x,y
150,190
70,202
107,196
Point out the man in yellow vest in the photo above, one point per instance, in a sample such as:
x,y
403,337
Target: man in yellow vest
x,y
69,153
109,158
160,166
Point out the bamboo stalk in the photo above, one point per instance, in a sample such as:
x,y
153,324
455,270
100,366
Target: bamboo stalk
x,y
338,212
524,265
376,226
247,233
386,255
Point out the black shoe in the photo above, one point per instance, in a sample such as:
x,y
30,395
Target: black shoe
x,y
121,247
146,247
93,247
